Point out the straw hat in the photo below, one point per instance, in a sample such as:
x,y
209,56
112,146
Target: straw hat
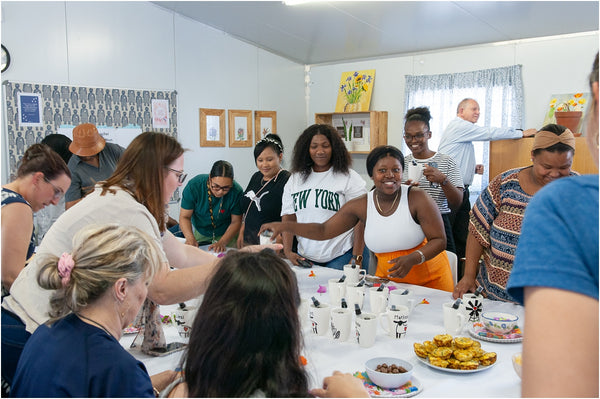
x,y
86,141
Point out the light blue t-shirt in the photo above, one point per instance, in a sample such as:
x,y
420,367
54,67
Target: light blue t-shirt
x,y
558,247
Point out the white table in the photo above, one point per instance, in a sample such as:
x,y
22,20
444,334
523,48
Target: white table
x,y
325,355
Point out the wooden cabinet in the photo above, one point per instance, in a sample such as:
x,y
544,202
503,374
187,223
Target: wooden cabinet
x,y
509,154
372,126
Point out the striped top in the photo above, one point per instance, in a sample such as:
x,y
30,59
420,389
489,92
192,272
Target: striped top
x,y
495,221
445,164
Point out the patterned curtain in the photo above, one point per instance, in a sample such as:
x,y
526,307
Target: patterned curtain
x,y
498,91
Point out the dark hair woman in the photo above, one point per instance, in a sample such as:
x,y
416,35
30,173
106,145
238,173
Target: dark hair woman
x,y
210,209
261,202
320,184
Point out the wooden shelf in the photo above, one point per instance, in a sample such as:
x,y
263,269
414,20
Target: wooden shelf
x,y
375,122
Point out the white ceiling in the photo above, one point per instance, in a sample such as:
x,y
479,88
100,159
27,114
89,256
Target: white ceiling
x,y
331,31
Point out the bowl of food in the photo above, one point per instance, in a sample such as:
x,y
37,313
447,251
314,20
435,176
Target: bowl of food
x,y
389,372
499,322
516,361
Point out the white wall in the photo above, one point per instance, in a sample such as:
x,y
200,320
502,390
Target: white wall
x,y
139,45
550,66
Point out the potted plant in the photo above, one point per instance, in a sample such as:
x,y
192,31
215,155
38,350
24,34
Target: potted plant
x,y
568,113
347,134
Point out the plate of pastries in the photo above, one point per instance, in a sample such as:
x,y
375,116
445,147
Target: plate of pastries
x,y
454,355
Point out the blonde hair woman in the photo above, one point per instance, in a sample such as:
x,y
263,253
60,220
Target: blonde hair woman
x,y
99,289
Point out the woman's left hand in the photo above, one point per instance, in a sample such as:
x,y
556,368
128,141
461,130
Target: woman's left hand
x,y
402,265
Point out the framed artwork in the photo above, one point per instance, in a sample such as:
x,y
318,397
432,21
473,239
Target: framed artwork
x,y
240,128
265,122
354,91
212,127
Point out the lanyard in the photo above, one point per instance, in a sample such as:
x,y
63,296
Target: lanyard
x,y
210,210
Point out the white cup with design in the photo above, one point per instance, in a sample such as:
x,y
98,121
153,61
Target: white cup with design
x,y
472,307
415,171
355,295
395,321
341,324
319,318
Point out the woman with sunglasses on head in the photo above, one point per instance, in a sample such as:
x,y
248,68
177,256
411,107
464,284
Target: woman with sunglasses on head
x,y
42,179
136,194
210,209
261,202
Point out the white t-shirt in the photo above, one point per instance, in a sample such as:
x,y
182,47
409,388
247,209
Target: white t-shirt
x,y
31,302
315,201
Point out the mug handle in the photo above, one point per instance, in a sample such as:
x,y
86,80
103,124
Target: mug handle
x,y
462,319
384,322
364,274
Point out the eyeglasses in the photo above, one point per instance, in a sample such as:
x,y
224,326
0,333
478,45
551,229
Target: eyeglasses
x,y
179,173
216,187
419,136
58,192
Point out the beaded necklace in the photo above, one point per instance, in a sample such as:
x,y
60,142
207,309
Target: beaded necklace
x,y
210,210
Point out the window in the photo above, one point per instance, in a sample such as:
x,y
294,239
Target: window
x,y
498,91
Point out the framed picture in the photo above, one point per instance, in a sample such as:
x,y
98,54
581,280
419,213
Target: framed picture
x,y
265,122
212,127
240,128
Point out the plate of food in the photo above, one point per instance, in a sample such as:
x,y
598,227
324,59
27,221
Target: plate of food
x,y
460,355
411,388
479,331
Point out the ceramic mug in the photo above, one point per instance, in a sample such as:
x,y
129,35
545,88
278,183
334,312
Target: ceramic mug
x,y
366,329
183,319
354,274
415,171
355,294
454,319
337,291
319,318
472,307
397,298
341,324
395,321
378,299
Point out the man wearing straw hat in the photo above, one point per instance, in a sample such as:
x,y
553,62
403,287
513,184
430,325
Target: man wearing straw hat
x,y
93,160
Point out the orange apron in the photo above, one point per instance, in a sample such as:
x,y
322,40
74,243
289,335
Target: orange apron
x,y
433,273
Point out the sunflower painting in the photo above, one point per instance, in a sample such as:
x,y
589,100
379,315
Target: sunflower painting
x,y
354,91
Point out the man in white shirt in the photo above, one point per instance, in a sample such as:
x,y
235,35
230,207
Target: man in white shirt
x,y
457,141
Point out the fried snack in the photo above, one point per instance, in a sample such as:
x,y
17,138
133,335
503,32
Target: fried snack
x,y
420,350
453,364
463,355
488,359
476,344
470,365
477,352
442,353
436,361
429,346
463,342
443,340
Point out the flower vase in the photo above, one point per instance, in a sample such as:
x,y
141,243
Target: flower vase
x,y
349,145
569,119
354,107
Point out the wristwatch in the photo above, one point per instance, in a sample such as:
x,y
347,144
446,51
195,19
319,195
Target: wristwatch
x,y
445,181
358,258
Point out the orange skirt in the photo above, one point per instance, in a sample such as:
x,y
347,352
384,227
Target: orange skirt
x,y
433,273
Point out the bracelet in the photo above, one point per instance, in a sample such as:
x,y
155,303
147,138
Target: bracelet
x,y
422,257
156,392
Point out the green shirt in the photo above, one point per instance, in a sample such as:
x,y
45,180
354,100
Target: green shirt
x,y
195,197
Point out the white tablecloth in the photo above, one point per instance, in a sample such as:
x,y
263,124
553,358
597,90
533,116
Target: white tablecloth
x,y
325,355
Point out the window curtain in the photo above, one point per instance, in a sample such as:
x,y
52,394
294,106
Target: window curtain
x,y
498,91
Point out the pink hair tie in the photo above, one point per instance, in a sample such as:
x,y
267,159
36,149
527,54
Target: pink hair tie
x,y
65,266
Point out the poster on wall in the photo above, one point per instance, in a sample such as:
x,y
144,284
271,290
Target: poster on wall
x,y
354,91
29,109
160,114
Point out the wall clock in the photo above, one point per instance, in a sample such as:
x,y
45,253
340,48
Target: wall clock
x,y
5,59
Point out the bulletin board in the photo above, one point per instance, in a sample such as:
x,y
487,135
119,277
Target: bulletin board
x,y
62,107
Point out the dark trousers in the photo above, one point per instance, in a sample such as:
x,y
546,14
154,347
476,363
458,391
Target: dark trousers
x,y
449,234
14,338
460,224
